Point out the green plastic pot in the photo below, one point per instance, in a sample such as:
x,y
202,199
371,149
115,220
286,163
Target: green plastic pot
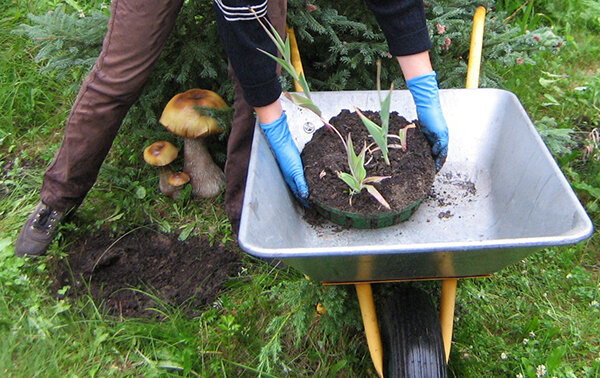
x,y
355,220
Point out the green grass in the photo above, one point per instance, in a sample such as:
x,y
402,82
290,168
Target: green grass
x,y
543,311
530,315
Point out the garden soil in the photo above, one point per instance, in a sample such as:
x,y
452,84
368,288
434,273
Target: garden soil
x,y
412,171
121,271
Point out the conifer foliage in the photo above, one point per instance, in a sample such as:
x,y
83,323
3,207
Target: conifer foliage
x,y
339,41
67,41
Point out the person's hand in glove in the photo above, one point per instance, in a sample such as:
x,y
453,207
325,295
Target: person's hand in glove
x,y
424,89
288,156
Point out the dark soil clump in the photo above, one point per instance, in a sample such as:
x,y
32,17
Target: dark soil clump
x,y
189,274
412,171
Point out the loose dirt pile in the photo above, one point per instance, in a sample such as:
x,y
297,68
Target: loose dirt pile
x,y
121,271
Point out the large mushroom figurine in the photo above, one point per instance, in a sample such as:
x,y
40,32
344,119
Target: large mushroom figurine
x,y
180,117
160,154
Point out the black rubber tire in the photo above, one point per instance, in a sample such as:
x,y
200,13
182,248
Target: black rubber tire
x,y
411,335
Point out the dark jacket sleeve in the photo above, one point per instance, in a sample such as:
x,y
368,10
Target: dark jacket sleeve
x,y
403,24
242,35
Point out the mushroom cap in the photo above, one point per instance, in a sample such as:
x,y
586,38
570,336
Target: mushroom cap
x,y
180,117
178,179
160,153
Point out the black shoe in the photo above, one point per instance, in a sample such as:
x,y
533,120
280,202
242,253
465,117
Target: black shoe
x,y
38,231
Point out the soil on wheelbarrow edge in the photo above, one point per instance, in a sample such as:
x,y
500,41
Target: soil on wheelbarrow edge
x,y
120,271
412,171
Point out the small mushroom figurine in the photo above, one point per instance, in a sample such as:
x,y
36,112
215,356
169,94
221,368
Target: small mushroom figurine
x,y
160,154
180,117
178,180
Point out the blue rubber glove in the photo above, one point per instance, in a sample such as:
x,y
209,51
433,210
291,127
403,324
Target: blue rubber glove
x,y
424,90
288,156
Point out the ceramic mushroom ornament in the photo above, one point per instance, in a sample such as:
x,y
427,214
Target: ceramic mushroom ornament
x,y
178,180
160,154
180,117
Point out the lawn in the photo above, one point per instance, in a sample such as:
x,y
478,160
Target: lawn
x,y
539,317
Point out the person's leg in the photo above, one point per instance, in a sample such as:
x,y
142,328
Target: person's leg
x,y
240,139
137,32
238,152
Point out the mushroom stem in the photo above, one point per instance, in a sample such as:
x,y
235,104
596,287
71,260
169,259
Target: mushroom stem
x,y
175,193
206,178
163,181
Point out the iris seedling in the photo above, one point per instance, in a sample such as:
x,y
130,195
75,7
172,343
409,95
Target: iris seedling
x,y
286,63
402,133
357,179
284,49
380,133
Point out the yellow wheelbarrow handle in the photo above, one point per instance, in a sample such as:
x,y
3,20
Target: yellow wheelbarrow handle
x,y
295,55
449,285
474,64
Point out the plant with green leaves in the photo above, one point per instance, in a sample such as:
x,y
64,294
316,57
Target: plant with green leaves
x,y
380,133
402,137
284,49
357,179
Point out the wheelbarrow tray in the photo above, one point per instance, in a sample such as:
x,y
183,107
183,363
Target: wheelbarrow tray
x,y
499,197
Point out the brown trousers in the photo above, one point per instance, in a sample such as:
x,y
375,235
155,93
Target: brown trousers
x,y
137,32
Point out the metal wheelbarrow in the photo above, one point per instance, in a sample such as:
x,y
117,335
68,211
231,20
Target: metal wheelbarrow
x,y
502,197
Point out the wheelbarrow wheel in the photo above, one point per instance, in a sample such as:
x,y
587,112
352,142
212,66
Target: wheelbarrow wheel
x,y
411,335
